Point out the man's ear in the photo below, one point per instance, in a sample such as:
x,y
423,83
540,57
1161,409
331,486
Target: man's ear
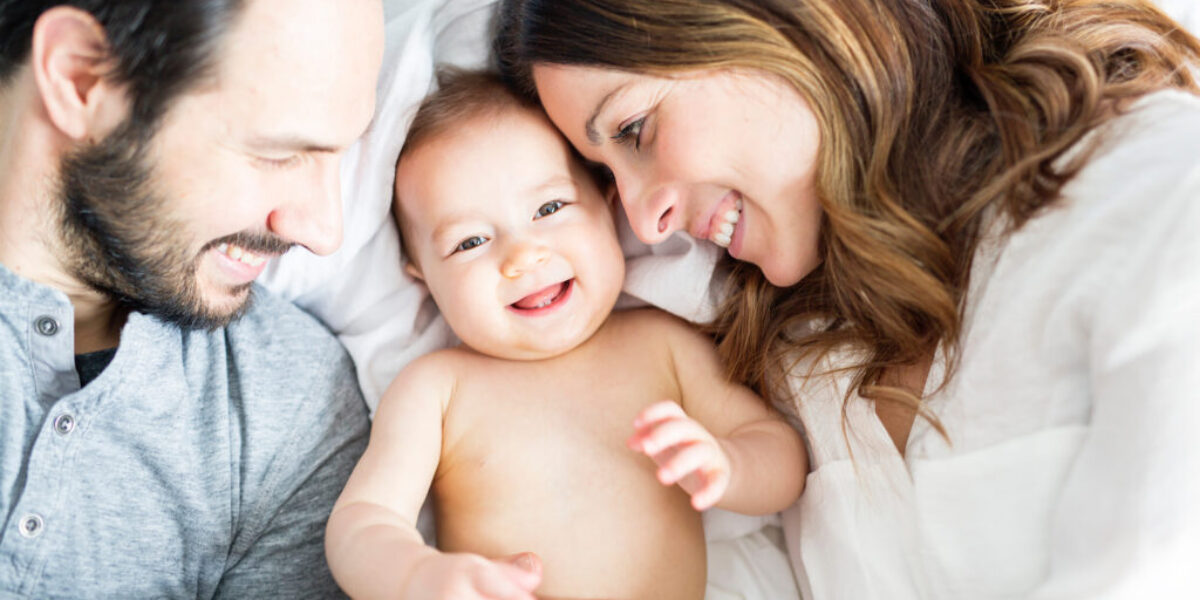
x,y
413,270
69,58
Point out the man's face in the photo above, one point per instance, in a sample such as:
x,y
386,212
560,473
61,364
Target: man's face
x,y
241,168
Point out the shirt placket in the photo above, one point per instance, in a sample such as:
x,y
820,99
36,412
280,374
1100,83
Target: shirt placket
x,y
34,526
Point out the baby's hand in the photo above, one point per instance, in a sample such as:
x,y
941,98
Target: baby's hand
x,y
470,576
685,452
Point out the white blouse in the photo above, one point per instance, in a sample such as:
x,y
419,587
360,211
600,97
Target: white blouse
x,y
1073,468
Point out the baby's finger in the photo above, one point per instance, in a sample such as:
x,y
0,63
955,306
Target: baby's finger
x,y
712,491
502,581
657,412
673,432
689,459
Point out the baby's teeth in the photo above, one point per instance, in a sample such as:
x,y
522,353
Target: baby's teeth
x,y
732,216
725,230
235,253
223,248
722,240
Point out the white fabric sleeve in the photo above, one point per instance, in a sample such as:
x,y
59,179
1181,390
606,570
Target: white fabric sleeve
x,y
1128,522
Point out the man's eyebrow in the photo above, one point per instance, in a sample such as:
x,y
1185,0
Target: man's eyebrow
x,y
593,135
293,143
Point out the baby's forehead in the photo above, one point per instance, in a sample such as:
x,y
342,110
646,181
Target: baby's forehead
x,y
500,153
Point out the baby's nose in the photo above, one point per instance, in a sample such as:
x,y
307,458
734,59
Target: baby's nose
x,y
523,258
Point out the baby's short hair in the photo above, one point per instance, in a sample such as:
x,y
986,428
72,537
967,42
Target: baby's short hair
x,y
461,96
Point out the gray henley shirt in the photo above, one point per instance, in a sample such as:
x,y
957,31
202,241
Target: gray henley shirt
x,y
197,465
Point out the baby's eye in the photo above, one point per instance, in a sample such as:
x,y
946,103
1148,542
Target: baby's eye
x,y
469,243
549,208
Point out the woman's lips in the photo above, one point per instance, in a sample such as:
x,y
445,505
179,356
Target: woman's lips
x,y
718,224
545,299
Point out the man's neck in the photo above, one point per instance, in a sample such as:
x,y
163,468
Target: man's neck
x,y
29,233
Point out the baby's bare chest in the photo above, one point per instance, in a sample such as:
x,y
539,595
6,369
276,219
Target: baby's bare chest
x,y
564,417
540,464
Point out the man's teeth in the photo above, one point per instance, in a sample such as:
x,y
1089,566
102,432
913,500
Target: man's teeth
x,y
722,234
241,254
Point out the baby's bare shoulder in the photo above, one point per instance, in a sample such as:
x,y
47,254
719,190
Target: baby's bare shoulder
x,y
431,376
641,321
653,325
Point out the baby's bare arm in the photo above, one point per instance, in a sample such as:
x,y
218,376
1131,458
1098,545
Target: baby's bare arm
x,y
767,462
371,540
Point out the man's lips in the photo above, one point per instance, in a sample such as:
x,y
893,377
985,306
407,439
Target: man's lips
x,y
240,264
545,299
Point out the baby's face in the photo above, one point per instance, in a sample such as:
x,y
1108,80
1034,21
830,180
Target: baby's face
x,y
515,242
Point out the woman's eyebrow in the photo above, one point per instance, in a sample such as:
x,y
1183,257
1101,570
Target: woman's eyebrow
x,y
593,135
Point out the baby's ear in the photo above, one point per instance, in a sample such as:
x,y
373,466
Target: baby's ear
x,y
413,270
611,196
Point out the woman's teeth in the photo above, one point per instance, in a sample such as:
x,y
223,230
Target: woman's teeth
x,y
722,234
241,255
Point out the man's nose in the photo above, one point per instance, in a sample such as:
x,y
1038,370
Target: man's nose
x,y
523,257
655,211
312,217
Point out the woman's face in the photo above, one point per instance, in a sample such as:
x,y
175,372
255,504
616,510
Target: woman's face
x,y
726,156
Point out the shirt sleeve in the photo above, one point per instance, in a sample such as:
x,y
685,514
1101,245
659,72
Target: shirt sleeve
x,y
1128,522
278,549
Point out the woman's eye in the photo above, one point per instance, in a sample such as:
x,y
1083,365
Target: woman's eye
x,y
469,243
632,131
549,208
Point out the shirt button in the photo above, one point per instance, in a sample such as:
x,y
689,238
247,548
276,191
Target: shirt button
x,y
31,526
64,424
46,326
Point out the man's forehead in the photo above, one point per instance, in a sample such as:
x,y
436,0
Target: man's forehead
x,y
313,60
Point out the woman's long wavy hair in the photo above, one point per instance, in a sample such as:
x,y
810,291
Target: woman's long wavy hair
x,y
932,113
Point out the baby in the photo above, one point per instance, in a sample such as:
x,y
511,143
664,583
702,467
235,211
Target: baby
x,y
561,435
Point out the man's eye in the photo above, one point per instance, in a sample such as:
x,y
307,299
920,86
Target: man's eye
x,y
469,243
549,208
279,163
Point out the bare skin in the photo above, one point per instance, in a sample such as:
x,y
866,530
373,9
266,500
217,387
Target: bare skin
x,y
898,419
587,438
531,456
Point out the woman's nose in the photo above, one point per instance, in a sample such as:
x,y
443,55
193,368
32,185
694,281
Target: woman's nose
x,y
524,257
654,213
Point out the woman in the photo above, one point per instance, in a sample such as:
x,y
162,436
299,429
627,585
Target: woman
x,y
965,242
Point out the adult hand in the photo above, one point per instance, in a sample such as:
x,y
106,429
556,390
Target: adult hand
x,y
685,452
473,577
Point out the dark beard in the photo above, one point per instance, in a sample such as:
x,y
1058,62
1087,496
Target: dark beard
x,y
120,239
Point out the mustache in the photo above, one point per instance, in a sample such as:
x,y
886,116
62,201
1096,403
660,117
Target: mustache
x,y
266,244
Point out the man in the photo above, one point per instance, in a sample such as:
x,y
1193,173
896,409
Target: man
x,y
167,428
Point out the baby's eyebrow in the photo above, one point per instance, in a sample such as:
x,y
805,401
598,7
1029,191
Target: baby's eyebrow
x,y
554,183
446,226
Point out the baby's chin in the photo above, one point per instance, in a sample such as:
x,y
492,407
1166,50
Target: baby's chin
x,y
538,345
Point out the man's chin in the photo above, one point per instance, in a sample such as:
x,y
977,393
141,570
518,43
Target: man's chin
x,y
227,306
213,310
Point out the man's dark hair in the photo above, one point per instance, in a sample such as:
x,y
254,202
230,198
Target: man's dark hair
x,y
157,48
